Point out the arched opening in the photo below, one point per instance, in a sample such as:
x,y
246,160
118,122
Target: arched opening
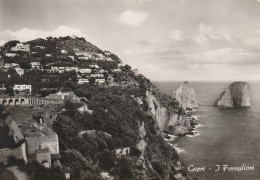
x,y
22,101
16,101
11,102
4,102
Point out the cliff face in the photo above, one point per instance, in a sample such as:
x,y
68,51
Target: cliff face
x,y
168,119
185,95
236,95
159,113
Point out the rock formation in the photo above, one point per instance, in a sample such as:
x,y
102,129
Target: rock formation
x,y
185,95
236,95
167,118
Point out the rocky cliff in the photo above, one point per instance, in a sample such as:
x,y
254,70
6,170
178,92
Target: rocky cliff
x,y
236,95
167,113
185,95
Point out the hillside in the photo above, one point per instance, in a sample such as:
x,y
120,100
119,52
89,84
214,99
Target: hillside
x,y
120,135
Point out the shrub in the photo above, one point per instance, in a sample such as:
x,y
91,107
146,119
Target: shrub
x,y
158,167
135,152
107,160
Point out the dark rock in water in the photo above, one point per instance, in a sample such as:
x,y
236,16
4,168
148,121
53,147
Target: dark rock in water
x,y
167,136
236,95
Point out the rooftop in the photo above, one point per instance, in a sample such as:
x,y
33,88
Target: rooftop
x,y
43,151
29,131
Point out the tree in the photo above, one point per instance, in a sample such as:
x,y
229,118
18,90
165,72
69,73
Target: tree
x,y
107,160
125,169
11,44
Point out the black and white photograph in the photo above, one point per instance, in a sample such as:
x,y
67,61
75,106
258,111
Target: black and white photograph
x,y
129,89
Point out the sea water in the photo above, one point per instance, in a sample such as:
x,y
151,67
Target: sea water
x,y
227,143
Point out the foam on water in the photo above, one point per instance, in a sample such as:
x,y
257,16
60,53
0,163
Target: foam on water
x,y
200,126
172,137
178,149
196,133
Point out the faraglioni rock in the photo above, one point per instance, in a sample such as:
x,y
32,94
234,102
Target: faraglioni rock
x,y
185,95
236,95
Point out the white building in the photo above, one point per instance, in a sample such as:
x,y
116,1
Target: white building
x,y
10,65
22,88
83,81
94,66
96,75
21,47
117,70
10,54
103,71
81,53
48,55
40,47
35,65
83,58
107,53
70,68
19,71
100,81
63,51
85,71
71,57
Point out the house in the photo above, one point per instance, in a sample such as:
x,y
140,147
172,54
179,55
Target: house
x,y
71,57
122,152
21,47
35,65
97,75
2,88
38,47
83,81
19,71
69,68
83,58
107,53
103,71
84,71
81,53
100,81
63,51
10,54
62,96
22,88
94,66
10,65
48,55
116,70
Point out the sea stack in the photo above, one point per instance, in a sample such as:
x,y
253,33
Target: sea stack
x,y
185,95
236,95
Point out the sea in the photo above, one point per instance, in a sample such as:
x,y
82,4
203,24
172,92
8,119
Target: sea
x,y
224,137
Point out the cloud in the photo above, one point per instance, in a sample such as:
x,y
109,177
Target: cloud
x,y
132,18
128,52
26,34
224,56
206,34
176,35
201,39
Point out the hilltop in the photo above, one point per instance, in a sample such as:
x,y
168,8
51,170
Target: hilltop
x,y
114,129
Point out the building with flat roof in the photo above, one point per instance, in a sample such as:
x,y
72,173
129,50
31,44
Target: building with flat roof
x,y
22,88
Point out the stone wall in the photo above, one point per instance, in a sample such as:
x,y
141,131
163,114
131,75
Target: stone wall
x,y
15,131
40,142
19,153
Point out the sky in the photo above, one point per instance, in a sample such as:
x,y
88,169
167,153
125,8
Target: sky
x,y
166,40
